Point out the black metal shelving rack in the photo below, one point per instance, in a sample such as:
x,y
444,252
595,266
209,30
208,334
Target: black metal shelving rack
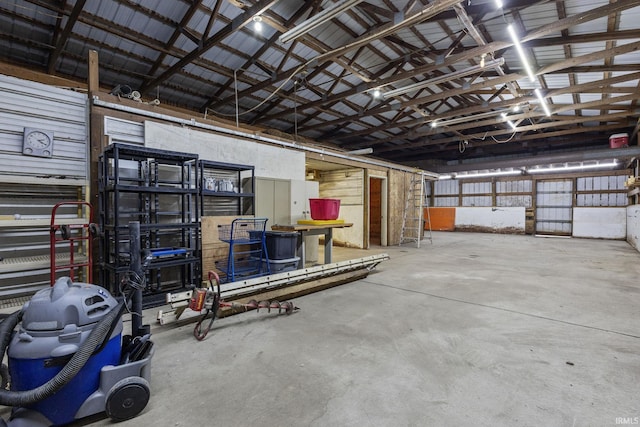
x,y
159,189
226,188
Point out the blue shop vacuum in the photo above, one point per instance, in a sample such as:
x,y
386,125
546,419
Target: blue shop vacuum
x,y
68,358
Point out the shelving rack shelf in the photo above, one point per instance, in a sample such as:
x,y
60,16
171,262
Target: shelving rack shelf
x,y
159,189
226,188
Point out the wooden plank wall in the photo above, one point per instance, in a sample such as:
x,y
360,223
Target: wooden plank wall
x,y
214,249
343,184
399,182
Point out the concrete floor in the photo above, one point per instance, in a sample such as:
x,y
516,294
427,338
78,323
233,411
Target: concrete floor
x,y
472,330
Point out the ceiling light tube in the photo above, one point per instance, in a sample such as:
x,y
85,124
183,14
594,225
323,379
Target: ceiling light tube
x,y
360,152
317,20
465,119
523,58
574,168
444,78
485,174
543,102
513,125
499,4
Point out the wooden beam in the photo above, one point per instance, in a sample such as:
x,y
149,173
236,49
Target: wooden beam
x,y
93,73
529,137
540,32
238,23
64,36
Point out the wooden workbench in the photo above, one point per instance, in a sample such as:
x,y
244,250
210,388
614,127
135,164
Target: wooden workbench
x,y
304,230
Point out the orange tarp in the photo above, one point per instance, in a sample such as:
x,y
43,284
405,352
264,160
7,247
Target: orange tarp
x,y
442,219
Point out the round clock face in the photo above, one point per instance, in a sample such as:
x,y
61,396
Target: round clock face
x,y
38,140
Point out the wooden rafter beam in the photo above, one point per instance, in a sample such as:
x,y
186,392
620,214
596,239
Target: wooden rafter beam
x,y
491,47
504,79
407,151
239,22
64,35
176,33
570,122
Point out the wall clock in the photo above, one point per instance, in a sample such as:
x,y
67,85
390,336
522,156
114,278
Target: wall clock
x,y
37,142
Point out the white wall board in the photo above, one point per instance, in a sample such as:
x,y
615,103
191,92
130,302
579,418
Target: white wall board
x,y
633,226
600,223
487,218
269,161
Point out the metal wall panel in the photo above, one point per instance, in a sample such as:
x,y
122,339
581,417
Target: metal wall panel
x,y
514,201
476,194
599,185
449,189
125,131
444,202
446,187
35,105
472,201
506,198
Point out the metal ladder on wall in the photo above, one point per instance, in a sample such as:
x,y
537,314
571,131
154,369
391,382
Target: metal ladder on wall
x,y
413,211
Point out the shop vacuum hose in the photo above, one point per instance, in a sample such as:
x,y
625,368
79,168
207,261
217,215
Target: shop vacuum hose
x,y
95,339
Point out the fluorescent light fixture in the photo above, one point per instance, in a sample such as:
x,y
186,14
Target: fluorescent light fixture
x,y
574,168
543,102
360,151
317,20
499,4
485,174
444,78
523,58
464,119
376,93
516,108
443,177
504,116
257,23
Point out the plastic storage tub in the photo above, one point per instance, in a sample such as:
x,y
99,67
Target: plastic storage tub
x,y
324,209
619,140
282,265
281,245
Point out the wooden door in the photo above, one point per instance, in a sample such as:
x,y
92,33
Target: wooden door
x,y
375,211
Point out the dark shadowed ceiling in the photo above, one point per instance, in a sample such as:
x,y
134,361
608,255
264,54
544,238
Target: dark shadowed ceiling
x,y
334,83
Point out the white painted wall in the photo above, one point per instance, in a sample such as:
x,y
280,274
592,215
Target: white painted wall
x,y
269,161
600,223
505,218
633,226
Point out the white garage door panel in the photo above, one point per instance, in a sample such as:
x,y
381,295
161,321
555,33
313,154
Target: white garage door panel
x,y
554,206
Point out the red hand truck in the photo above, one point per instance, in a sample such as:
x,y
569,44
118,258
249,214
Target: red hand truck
x,y
78,235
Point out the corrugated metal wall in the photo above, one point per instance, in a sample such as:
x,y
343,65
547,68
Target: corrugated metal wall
x,y
446,193
124,131
554,199
28,104
516,193
601,191
476,194
32,185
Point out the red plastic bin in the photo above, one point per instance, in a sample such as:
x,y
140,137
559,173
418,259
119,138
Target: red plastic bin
x,y
324,209
619,140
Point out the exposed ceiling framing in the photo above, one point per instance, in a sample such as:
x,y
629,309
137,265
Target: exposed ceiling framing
x,y
206,54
